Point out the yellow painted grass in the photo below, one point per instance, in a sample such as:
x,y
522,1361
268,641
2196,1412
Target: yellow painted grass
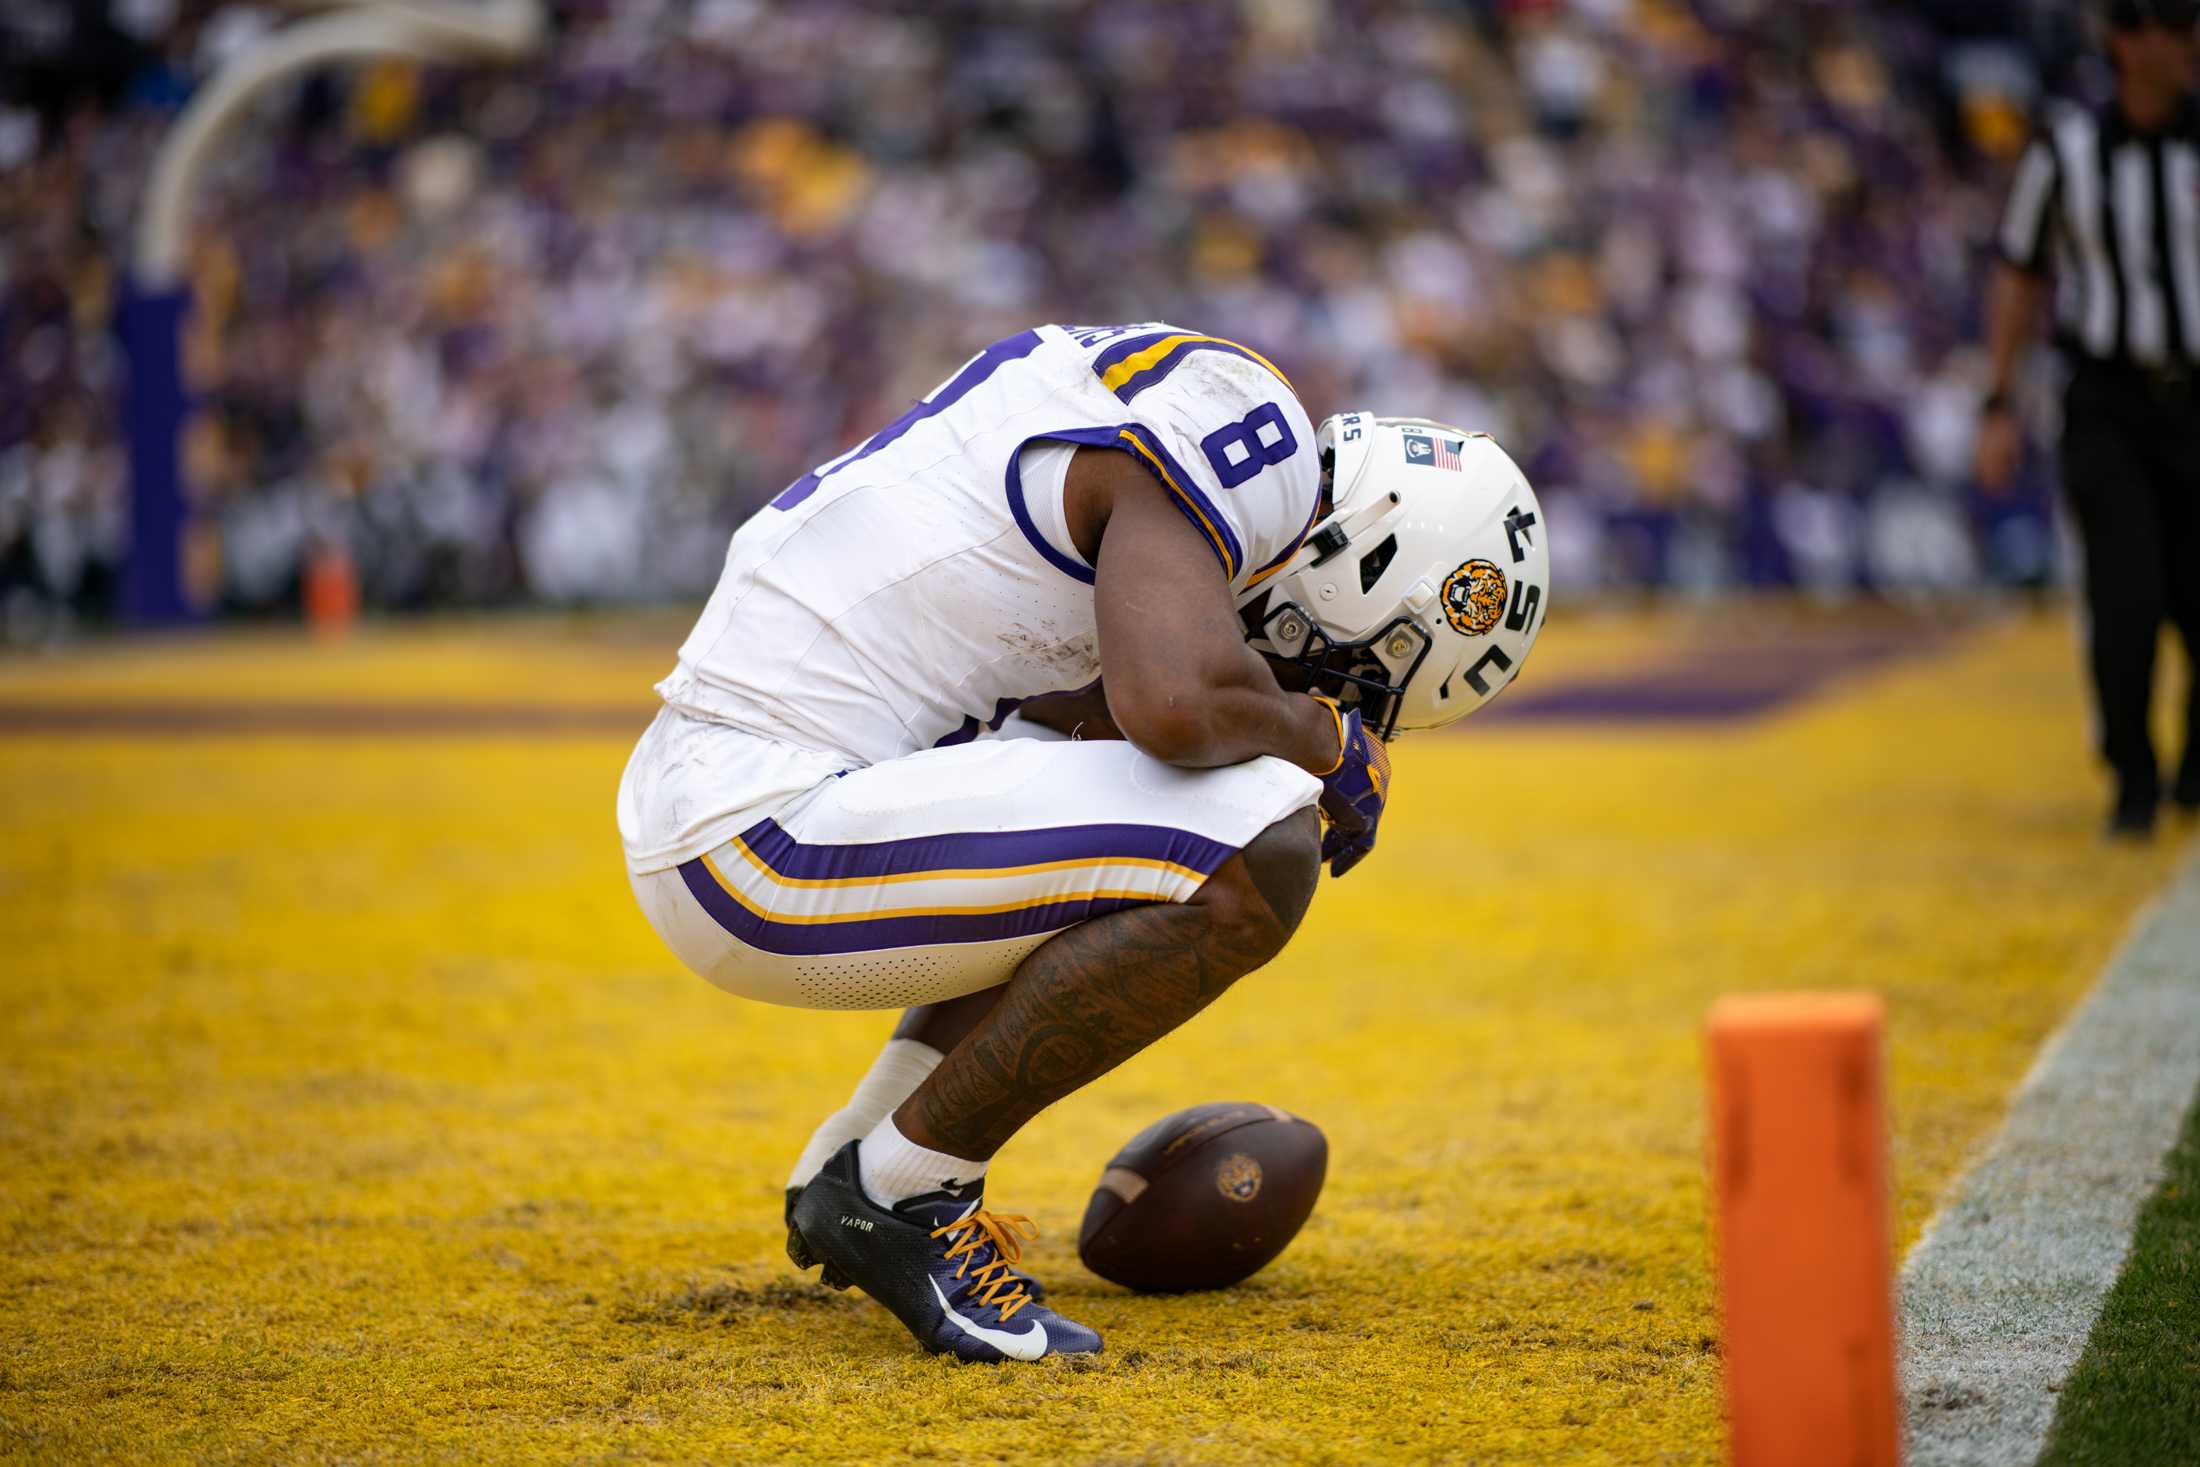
x,y
350,1112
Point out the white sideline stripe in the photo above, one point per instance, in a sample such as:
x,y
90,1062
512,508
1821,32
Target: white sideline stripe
x,y
2000,1293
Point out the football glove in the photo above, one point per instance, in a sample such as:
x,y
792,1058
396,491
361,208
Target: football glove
x,y
1353,793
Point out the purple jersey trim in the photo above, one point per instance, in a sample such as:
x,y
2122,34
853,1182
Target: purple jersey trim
x,y
1293,549
1191,501
1130,348
980,367
1228,553
971,726
1067,564
1161,369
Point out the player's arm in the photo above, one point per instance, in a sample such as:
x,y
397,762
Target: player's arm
x,y
1181,683
1082,714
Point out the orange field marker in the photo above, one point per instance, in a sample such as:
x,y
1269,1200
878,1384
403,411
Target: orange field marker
x,y
331,591
1799,1176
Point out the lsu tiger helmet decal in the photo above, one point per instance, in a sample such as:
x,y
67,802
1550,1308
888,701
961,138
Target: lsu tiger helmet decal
x,y
1474,597
1417,598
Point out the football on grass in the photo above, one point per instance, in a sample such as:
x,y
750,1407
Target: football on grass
x,y
1203,1198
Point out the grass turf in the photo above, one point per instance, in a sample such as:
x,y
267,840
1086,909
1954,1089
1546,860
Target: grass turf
x,y
2134,1399
353,1114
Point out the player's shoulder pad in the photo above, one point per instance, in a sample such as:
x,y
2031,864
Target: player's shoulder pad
x,y
1192,371
1219,424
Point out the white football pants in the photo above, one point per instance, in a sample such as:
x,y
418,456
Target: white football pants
x,y
931,876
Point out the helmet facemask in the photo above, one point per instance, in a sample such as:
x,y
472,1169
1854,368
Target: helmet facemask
x,y
1370,674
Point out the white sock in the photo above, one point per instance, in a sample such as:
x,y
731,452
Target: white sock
x,y
893,1077
894,1167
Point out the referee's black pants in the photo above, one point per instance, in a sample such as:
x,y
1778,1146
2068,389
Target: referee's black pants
x,y
2131,468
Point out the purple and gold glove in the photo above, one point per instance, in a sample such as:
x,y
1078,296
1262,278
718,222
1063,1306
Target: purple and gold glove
x,y
1353,792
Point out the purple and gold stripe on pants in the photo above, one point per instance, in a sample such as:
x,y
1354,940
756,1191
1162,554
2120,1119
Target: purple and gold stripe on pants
x,y
785,896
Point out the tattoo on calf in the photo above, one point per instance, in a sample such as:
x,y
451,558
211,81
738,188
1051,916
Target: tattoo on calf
x,y
1078,1007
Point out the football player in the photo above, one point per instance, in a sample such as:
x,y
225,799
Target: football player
x,y
1035,715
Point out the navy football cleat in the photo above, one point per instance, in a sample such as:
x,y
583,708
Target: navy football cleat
x,y
799,1252
939,1261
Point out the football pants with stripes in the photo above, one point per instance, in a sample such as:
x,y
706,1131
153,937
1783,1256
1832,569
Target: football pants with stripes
x,y
934,875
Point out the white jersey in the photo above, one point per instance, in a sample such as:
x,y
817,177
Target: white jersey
x,y
909,593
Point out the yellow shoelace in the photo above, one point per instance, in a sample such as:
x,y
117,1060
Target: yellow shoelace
x,y
991,1282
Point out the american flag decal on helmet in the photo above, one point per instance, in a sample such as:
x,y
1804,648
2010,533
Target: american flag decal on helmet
x,y
1435,450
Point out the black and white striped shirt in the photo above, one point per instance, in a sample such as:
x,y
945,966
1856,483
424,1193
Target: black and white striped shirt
x,y
2116,214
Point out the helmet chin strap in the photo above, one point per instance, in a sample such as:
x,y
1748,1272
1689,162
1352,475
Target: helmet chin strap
x,y
1357,523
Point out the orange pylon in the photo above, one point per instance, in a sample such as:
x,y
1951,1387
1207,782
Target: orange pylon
x,y
331,591
1799,1177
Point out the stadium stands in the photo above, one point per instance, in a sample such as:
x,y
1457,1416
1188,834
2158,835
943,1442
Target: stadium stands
x,y
1708,268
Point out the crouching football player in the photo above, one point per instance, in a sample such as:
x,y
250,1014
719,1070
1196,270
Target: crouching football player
x,y
1036,715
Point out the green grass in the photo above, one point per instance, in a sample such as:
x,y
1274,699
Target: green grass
x,y
2134,1400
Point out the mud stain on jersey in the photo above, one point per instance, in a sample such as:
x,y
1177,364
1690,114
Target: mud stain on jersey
x,y
1076,656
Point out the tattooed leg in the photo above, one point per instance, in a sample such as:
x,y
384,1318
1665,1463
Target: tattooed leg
x,y
1100,992
943,1025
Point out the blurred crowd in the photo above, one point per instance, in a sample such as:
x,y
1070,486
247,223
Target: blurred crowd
x,y
1709,268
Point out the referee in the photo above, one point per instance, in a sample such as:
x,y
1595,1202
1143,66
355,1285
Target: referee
x,y
2108,202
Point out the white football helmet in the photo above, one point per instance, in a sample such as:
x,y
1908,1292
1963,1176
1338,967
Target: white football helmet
x,y
1418,597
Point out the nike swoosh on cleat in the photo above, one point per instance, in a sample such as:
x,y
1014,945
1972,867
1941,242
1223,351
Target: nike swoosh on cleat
x,y
1029,1345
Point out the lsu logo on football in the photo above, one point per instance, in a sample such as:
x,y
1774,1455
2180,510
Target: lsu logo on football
x,y
1238,1178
